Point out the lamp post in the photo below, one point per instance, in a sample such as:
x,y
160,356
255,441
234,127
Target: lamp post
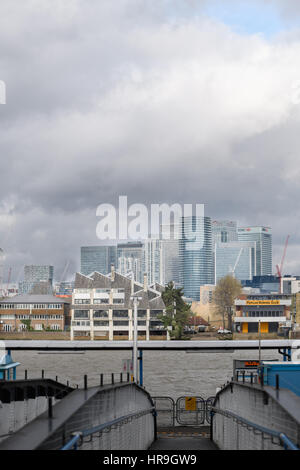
x,y
135,337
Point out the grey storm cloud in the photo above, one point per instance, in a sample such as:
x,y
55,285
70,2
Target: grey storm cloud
x,y
147,99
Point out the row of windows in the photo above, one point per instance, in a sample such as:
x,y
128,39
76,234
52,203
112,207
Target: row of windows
x,y
97,301
101,291
37,327
116,323
264,314
104,314
39,317
30,306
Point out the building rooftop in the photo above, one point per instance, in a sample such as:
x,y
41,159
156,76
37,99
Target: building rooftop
x,y
150,298
30,299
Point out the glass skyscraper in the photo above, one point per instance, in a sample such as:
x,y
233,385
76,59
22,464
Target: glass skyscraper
x,y
196,255
130,257
153,263
35,275
224,231
262,236
97,258
236,259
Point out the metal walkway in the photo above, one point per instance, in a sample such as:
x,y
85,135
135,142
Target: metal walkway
x,y
185,440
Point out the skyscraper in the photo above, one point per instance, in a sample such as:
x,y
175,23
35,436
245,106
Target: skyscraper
x,y
235,258
97,258
153,263
170,253
196,255
130,258
262,236
224,231
37,278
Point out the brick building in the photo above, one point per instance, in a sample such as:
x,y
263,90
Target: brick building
x,y
39,312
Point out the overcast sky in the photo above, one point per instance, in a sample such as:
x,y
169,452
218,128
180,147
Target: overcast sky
x,y
188,101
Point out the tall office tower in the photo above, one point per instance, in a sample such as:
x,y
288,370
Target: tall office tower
x,y
37,279
224,231
262,236
170,253
97,258
153,265
38,273
196,255
130,258
235,258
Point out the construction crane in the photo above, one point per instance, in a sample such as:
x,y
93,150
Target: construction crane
x,y
65,271
279,269
232,270
8,281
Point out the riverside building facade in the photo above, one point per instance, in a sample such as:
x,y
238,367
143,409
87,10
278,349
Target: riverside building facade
x,y
102,308
270,310
37,312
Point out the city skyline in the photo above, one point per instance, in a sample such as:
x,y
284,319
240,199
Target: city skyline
x,y
194,102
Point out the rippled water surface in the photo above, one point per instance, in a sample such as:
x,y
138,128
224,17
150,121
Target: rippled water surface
x,y
166,373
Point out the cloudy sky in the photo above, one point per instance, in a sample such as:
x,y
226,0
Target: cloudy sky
x,y
188,101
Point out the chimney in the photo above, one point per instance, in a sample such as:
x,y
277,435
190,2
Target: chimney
x,y
145,282
112,272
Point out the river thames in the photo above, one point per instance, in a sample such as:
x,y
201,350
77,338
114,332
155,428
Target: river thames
x,y
166,373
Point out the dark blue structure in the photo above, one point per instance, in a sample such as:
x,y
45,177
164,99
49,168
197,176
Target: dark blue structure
x,y
288,375
266,284
7,366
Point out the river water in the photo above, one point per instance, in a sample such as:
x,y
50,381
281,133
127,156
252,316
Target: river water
x,y
166,373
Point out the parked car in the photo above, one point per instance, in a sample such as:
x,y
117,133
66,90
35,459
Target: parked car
x,y
202,328
223,331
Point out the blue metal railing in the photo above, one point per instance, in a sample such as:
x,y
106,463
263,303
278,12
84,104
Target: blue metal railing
x,y
78,436
284,440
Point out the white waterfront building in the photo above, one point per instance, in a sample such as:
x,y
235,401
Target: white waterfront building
x,y
102,308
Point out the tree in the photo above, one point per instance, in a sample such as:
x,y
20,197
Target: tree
x,y
27,323
227,290
177,313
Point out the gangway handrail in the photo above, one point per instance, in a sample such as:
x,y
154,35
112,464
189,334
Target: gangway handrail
x,y
79,435
283,438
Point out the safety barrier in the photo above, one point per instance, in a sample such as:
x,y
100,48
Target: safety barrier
x,y
171,413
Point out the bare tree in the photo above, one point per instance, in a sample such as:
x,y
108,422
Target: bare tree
x,y
227,290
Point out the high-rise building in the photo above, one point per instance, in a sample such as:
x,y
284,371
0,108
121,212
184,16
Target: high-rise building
x,y
153,265
36,273
235,258
97,258
262,236
37,279
196,255
130,257
170,259
224,231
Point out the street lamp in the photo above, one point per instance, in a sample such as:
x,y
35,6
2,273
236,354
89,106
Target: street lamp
x,y
135,300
